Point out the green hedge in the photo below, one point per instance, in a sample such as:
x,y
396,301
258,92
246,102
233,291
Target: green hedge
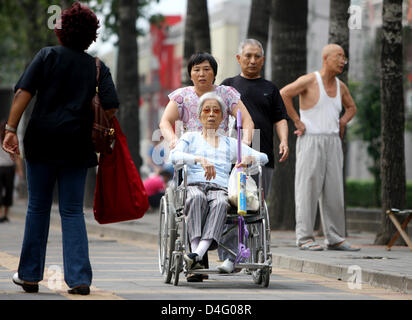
x,y
361,193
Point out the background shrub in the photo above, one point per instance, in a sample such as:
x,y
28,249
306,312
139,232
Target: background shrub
x,y
360,193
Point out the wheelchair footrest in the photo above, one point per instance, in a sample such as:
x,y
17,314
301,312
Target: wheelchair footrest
x,y
252,266
204,271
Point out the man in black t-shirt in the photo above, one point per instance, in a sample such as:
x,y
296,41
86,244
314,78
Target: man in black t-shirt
x,y
265,105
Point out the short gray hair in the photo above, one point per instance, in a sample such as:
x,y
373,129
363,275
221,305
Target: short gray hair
x,y
210,96
252,42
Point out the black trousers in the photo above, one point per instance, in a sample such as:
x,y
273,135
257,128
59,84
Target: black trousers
x,y
6,185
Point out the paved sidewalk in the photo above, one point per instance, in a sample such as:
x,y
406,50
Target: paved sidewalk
x,y
372,264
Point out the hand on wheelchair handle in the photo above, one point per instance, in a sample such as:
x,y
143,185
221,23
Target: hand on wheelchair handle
x,y
246,162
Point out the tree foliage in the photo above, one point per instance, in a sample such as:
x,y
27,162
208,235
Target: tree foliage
x,y
110,12
23,31
368,125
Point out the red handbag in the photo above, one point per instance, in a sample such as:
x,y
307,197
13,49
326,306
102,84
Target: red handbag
x,y
119,194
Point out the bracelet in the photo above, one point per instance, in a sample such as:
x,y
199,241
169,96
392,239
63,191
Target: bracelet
x,y
11,129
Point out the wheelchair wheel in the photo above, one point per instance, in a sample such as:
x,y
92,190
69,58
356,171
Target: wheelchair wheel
x,y
166,239
259,240
162,236
257,274
177,267
255,244
266,271
266,276
267,227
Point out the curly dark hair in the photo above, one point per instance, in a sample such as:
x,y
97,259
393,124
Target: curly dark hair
x,y
78,28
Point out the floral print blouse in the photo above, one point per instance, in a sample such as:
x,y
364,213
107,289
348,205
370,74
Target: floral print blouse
x,y
187,100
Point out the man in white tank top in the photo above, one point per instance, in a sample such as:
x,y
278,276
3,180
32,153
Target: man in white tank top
x,y
319,156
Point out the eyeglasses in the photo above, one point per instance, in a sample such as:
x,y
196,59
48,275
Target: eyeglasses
x,y
209,110
340,57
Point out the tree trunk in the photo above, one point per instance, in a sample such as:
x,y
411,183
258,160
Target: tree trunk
x,y
393,117
197,34
339,34
127,77
289,28
259,24
188,45
338,29
200,25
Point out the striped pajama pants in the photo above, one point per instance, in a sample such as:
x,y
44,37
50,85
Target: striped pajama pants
x,y
206,208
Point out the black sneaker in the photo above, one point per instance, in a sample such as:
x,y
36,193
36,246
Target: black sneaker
x,y
4,219
193,261
30,288
82,290
194,278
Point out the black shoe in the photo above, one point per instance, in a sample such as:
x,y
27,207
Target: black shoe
x,y
83,290
195,278
4,219
193,261
205,262
30,288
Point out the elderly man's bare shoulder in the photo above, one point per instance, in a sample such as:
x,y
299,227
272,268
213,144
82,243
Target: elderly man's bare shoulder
x,y
305,82
308,79
299,86
309,91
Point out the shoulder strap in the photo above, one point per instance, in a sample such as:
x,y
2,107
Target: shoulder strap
x,y
97,69
338,88
322,90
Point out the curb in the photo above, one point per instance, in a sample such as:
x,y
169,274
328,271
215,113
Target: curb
x,y
340,272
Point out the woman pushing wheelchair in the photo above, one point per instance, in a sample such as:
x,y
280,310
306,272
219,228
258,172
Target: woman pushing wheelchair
x,y
209,155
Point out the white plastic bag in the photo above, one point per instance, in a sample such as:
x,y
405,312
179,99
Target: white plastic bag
x,y
252,198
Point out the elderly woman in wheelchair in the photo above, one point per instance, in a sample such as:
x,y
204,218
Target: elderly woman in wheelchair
x,y
209,156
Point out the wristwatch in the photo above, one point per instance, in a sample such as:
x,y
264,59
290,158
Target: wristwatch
x,y
11,129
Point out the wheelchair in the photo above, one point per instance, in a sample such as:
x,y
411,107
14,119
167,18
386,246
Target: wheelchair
x,y
173,240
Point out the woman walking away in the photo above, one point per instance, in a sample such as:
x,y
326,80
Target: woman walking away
x,y
58,146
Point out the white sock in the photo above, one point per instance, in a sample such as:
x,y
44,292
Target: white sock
x,y
194,244
202,247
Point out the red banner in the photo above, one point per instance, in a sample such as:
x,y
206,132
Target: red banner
x,y
169,65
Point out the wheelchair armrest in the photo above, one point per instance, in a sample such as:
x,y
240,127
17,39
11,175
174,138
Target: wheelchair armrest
x,y
252,171
179,176
178,166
